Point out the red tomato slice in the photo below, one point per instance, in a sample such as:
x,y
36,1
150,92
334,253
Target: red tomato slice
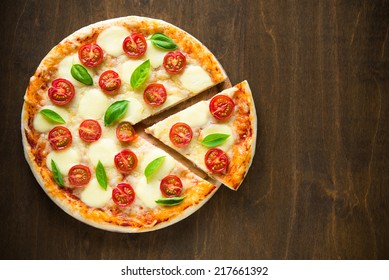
x,y
61,91
90,55
110,82
123,195
180,134
221,107
171,186
60,138
155,94
135,45
79,175
89,131
174,62
216,160
125,132
126,161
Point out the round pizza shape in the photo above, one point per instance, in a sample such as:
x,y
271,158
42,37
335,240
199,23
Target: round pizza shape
x,y
82,123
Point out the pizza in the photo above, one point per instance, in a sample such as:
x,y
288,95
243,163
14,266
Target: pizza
x,y
218,135
82,123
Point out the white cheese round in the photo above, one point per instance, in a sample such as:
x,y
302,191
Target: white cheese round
x,y
93,104
195,79
196,115
222,129
64,159
65,66
127,68
94,195
134,111
166,167
104,150
148,193
156,55
42,124
111,40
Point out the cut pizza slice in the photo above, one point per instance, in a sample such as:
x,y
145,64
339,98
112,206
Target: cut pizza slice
x,y
217,135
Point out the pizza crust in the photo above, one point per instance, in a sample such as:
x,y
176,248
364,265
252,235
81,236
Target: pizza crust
x,y
34,147
246,125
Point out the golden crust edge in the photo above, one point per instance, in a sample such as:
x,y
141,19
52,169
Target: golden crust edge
x,y
234,182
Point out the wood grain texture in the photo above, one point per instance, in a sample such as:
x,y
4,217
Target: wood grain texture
x,y
319,184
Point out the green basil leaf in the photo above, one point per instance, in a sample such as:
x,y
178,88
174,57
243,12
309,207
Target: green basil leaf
x,y
80,73
170,201
115,111
101,176
52,116
57,174
140,74
153,166
163,42
214,140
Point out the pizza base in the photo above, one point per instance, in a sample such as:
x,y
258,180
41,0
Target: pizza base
x,y
34,147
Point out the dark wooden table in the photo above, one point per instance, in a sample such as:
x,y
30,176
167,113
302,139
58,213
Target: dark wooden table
x,y
319,184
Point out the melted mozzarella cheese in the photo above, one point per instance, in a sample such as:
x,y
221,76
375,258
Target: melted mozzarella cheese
x,y
65,66
93,104
134,111
111,40
166,167
103,150
42,124
93,195
148,193
113,175
195,79
127,68
63,159
220,128
196,115
155,55
170,101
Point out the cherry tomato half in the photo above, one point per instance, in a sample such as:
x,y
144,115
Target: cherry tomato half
x,y
125,132
216,160
126,161
110,82
221,107
180,134
123,195
155,94
135,45
79,175
61,91
90,55
89,131
174,62
60,138
171,186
